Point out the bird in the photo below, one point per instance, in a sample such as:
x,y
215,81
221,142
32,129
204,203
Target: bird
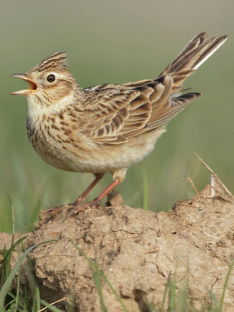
x,y
109,127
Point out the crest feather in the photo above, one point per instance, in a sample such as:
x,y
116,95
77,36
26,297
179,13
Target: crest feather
x,y
56,60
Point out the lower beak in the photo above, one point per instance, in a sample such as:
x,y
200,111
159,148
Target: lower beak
x,y
32,85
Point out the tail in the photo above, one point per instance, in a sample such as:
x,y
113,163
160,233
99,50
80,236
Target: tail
x,y
169,103
198,50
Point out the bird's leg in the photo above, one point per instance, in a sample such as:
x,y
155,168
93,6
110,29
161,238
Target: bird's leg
x,y
97,200
106,191
80,199
118,177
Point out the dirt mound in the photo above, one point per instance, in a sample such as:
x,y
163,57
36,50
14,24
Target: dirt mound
x,y
136,250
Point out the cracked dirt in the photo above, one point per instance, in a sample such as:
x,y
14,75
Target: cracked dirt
x,y
137,250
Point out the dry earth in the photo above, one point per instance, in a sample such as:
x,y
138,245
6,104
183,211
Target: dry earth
x,y
136,250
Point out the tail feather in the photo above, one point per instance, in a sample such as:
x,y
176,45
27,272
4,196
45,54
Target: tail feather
x,y
198,50
164,92
176,105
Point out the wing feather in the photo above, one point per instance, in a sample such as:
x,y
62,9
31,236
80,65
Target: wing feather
x,y
118,113
114,113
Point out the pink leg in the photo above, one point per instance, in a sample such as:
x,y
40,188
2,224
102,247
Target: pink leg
x,y
89,188
97,200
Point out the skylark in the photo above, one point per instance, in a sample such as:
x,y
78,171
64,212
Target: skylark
x,y
110,127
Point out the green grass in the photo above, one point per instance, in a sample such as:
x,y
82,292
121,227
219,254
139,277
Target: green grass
x,y
15,297
115,42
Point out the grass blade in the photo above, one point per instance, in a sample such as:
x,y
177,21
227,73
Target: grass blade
x,y
165,292
11,276
49,307
5,267
97,281
225,286
95,268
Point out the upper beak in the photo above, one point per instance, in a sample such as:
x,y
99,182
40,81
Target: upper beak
x,y
32,85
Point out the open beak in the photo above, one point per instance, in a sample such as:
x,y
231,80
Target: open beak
x,y
32,85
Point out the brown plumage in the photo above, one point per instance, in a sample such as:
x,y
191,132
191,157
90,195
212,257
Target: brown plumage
x,y
106,128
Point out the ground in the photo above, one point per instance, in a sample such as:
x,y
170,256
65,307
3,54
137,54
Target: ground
x,y
137,251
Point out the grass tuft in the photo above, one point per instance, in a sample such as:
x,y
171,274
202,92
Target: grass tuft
x,y
15,297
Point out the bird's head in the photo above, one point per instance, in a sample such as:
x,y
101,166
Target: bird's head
x,y
49,81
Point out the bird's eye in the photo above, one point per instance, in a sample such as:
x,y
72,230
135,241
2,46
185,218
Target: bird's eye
x,y
51,78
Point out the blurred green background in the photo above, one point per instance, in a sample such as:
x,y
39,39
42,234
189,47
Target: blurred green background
x,y
115,41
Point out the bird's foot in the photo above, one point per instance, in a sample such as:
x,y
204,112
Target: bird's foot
x,y
76,207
